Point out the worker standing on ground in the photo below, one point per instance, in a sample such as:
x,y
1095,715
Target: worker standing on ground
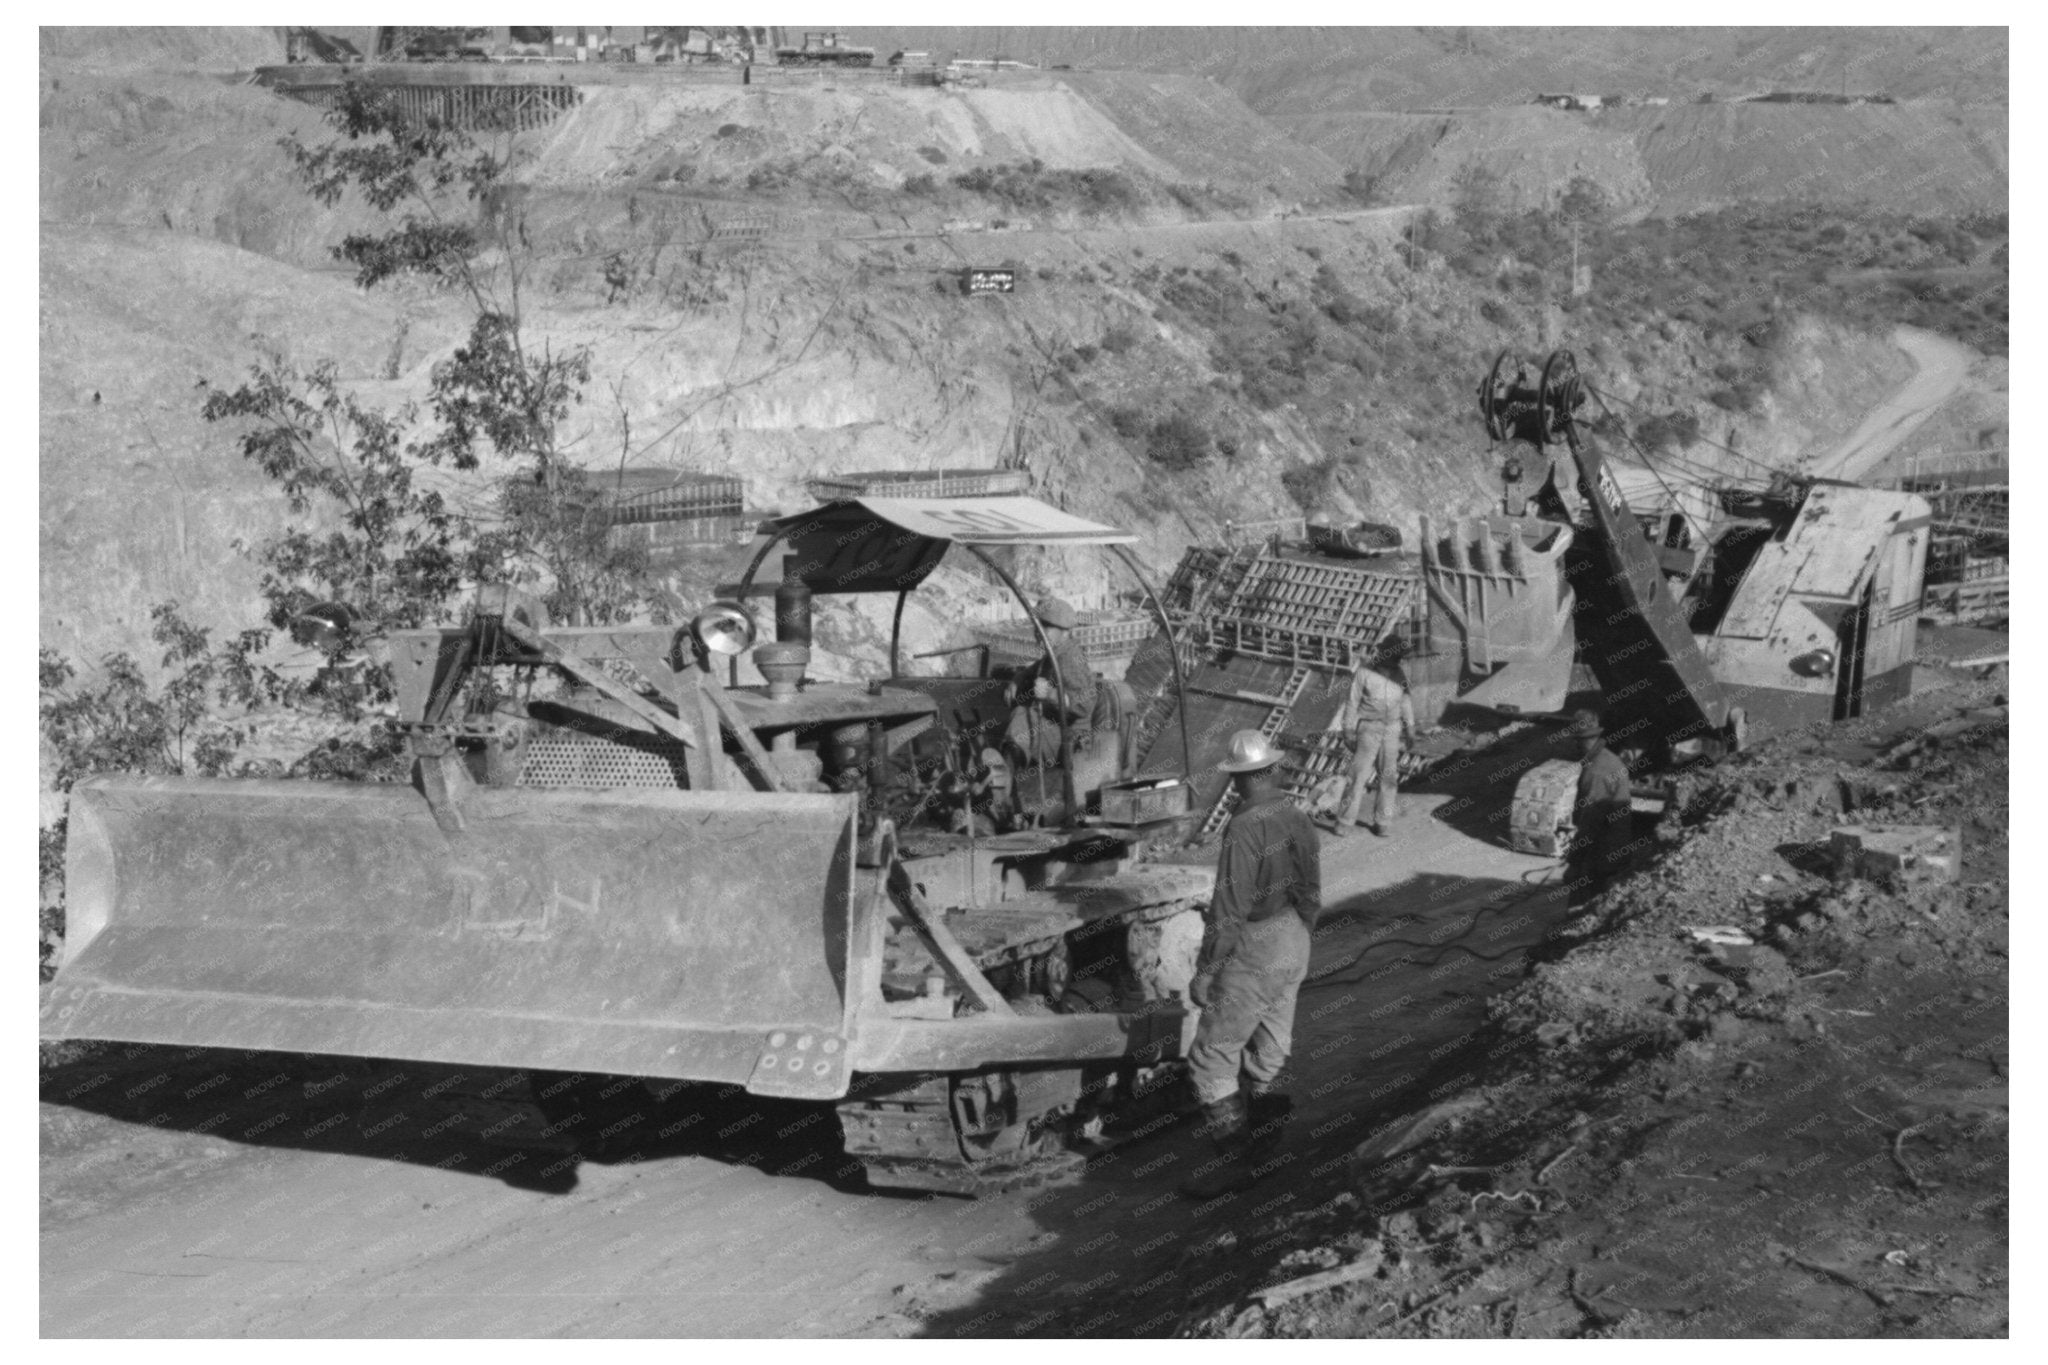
x,y
1034,728
1603,836
1269,890
1379,715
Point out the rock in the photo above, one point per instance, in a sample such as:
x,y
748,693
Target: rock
x,y
1727,1029
1554,1032
1400,1227
1398,1137
1897,856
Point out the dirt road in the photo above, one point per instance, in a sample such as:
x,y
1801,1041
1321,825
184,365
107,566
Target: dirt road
x,y
192,1192
1943,365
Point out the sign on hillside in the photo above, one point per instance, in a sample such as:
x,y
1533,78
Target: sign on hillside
x,y
995,281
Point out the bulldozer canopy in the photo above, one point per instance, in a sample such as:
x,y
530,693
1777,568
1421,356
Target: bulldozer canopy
x,y
892,544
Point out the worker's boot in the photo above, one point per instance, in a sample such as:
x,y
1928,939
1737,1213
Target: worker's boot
x,y
1230,1171
1267,1125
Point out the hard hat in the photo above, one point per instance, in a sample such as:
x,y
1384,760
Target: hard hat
x,y
1585,724
1250,752
1052,611
1322,519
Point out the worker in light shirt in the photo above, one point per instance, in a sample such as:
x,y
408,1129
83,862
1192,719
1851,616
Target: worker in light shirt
x,y
1380,716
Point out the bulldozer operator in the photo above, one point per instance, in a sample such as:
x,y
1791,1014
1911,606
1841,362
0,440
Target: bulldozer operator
x,y
1255,951
1033,732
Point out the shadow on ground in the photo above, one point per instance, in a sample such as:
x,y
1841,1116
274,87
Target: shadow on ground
x,y
1391,1022
1479,784
530,1130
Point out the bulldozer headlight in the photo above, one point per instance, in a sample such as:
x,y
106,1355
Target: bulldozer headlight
x,y
326,626
1815,663
724,628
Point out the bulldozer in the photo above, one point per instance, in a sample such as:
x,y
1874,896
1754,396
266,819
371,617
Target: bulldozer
x,y
614,858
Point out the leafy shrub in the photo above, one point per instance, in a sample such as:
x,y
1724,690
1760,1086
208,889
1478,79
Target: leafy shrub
x,y
1309,484
923,183
1661,430
1108,190
933,155
1119,338
1126,421
1362,186
1177,441
1989,226
770,176
121,724
1029,185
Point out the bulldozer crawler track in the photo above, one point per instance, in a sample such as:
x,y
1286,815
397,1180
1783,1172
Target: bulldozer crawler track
x,y
912,1141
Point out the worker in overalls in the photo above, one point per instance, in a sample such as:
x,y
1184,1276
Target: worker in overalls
x,y
1380,716
1255,948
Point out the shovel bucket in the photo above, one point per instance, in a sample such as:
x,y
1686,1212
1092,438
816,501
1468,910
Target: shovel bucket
x,y
647,932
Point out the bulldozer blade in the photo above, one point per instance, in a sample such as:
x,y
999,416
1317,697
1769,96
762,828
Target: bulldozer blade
x,y
646,932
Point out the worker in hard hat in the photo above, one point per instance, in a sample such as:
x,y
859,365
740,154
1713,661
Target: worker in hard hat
x,y
1380,716
1602,822
1255,947
1034,728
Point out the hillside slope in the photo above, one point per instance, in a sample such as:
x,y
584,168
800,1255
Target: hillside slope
x,y
1317,364
1315,68
125,47
139,501
1933,157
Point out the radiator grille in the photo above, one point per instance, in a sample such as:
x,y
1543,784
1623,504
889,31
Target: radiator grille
x,y
565,758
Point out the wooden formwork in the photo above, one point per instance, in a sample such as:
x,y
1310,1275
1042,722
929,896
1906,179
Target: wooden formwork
x,y
1269,638
509,107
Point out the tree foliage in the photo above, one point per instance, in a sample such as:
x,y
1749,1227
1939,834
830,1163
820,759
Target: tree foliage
x,y
399,164
401,554
119,723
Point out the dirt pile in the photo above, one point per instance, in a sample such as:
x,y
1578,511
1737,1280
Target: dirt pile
x,y
731,134
1768,1102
